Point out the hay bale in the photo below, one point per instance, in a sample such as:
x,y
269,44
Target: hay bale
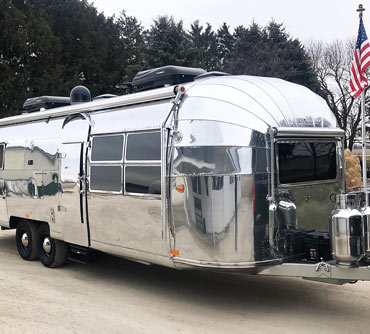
x,y
353,171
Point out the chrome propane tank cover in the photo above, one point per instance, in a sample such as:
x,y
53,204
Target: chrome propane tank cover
x,y
346,231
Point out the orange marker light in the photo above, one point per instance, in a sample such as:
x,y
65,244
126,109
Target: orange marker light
x,y
27,215
174,252
180,188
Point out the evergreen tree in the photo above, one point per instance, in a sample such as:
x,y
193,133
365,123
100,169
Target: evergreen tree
x,y
132,39
49,46
90,43
270,51
225,46
167,44
29,58
204,47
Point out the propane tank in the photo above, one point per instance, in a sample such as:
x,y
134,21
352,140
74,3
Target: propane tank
x,y
346,228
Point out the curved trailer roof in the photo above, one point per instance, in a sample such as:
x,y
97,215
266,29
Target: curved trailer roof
x,y
254,102
257,103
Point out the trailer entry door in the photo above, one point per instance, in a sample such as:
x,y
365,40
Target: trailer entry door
x,y
72,209
307,169
71,206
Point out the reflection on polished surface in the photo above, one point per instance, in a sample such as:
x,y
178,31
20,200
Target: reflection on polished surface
x,y
191,175
214,218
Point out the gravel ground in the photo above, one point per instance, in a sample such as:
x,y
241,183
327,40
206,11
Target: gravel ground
x,y
113,295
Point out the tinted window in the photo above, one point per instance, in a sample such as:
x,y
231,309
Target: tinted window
x,y
306,161
144,146
143,179
107,148
2,155
106,178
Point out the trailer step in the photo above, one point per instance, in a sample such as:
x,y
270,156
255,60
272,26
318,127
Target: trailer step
x,y
79,254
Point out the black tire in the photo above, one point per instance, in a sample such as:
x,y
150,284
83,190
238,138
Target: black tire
x,y
58,249
27,230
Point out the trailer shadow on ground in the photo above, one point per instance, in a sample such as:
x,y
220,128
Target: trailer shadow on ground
x,y
232,292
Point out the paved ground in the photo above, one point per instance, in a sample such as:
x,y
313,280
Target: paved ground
x,y
118,296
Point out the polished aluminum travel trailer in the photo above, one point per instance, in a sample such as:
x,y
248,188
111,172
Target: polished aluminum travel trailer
x,y
222,173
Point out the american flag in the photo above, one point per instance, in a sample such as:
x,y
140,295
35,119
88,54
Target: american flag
x,y
360,62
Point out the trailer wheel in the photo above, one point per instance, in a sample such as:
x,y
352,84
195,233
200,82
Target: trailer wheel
x,y
27,242
53,253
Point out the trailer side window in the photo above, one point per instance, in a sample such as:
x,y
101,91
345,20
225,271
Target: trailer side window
x,y
143,179
145,146
2,155
106,169
107,148
106,178
143,163
306,161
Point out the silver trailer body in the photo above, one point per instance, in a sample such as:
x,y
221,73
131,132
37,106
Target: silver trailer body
x,y
187,180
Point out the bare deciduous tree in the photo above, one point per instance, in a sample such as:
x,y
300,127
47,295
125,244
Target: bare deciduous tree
x,y
332,63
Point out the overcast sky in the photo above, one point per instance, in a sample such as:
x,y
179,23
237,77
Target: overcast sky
x,y
318,19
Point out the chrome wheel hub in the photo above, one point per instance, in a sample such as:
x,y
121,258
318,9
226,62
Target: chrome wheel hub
x,y
24,240
46,245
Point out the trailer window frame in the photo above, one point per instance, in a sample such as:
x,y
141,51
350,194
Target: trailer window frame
x,y
142,132
106,191
124,163
142,163
130,193
308,140
107,163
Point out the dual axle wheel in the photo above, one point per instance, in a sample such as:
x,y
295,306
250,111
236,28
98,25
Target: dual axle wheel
x,y
34,241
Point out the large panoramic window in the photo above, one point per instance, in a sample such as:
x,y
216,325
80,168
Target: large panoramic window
x,y
131,170
306,161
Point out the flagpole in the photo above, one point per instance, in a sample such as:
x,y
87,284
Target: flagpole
x,y
363,134
363,131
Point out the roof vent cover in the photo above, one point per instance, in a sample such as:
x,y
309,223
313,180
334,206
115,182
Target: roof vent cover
x,y
80,94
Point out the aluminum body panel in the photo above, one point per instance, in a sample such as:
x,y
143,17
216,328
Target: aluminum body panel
x,y
313,204
220,219
216,133
214,219
131,222
56,144
31,171
140,117
257,103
